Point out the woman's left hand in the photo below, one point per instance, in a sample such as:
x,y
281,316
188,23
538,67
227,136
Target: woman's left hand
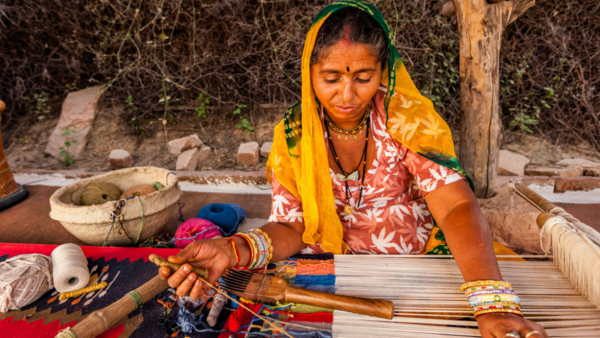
x,y
501,325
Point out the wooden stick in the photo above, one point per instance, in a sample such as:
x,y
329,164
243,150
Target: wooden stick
x,y
102,320
202,273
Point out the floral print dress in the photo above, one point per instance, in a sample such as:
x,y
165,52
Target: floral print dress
x,y
392,217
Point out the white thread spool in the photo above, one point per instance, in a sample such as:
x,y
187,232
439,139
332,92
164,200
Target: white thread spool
x,y
69,268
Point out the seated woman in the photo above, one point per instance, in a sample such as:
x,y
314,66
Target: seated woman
x,y
363,165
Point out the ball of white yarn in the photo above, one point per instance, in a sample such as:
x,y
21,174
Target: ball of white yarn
x,y
23,280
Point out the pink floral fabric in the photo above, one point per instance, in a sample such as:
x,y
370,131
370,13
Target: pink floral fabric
x,y
392,217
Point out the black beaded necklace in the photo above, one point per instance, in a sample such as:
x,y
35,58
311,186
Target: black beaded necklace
x,y
348,209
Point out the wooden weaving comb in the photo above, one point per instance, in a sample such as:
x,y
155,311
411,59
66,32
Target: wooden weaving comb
x,y
270,289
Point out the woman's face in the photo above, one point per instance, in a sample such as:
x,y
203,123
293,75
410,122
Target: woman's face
x,y
346,80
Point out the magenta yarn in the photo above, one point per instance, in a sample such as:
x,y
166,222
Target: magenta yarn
x,y
195,229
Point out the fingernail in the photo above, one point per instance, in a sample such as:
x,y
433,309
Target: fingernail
x,y
186,268
191,277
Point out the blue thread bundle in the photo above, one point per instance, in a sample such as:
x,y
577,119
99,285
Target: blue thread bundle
x,y
226,216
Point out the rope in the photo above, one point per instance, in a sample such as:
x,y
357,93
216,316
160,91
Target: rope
x,y
136,297
66,333
141,225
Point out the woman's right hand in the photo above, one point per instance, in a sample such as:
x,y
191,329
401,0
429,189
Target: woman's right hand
x,y
215,255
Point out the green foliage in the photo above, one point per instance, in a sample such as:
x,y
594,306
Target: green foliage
x,y
38,105
441,77
24,140
527,112
202,111
67,133
132,109
245,124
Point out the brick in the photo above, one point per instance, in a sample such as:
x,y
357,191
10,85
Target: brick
x,y
204,154
119,159
265,149
182,144
248,154
78,113
188,160
512,164
553,170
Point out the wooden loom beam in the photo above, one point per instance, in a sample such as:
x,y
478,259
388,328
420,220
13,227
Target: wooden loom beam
x,y
481,25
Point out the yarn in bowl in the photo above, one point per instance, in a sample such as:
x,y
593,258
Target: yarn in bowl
x,y
226,216
195,229
99,193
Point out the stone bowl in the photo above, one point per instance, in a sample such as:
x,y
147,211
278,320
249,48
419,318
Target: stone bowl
x,y
92,224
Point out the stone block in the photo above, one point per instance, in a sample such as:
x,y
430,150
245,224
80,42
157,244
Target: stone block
x,y
553,170
512,164
592,172
248,154
204,153
182,144
78,113
579,162
575,184
119,159
265,149
188,160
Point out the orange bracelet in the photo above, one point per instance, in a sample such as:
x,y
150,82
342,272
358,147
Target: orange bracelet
x,y
235,251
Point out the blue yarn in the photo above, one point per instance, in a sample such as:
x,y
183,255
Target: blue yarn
x,y
223,215
240,211
188,322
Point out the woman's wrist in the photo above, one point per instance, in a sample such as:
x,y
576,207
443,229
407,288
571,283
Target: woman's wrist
x,y
243,252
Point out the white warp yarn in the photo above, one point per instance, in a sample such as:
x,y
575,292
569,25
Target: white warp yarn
x,y
23,280
69,268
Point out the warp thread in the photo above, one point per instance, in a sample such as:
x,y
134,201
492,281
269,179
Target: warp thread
x,y
226,216
195,229
23,280
69,268
138,190
99,193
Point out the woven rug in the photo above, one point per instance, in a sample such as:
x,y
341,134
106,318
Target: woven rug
x,y
125,269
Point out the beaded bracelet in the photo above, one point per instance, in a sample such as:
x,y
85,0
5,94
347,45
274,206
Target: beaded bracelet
x,y
261,248
487,296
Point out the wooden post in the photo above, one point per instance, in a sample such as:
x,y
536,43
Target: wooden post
x,y
480,26
11,193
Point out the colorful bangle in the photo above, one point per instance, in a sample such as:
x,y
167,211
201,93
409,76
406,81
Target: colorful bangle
x,y
260,246
481,283
250,247
482,312
235,251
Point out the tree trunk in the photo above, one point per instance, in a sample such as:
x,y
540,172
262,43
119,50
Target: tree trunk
x,y
481,25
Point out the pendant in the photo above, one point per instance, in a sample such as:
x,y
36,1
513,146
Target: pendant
x,y
353,177
360,132
341,177
346,137
355,138
348,210
339,137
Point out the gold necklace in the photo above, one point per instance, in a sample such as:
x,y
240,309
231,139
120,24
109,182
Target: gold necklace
x,y
352,131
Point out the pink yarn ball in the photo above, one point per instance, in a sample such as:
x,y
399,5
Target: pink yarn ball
x,y
195,229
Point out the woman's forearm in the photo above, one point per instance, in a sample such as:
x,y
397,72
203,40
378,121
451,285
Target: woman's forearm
x,y
467,233
470,241
286,239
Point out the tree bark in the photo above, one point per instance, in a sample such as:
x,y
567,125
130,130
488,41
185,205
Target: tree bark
x,y
481,25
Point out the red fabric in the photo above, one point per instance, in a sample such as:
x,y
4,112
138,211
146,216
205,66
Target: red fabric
x,y
23,329
238,319
95,252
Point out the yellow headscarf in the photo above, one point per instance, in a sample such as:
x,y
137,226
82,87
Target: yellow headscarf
x,y
299,156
